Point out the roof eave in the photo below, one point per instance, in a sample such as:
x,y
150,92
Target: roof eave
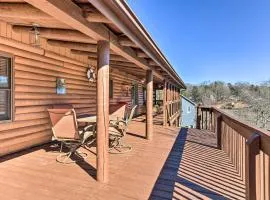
x,y
136,32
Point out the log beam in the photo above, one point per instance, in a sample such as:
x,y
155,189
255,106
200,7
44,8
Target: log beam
x,y
149,104
24,14
96,17
60,9
103,111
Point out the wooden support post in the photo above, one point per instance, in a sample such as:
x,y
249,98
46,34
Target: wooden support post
x,y
165,103
218,130
252,151
155,90
149,104
103,53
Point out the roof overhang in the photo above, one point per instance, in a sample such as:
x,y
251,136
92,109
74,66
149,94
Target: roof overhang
x,y
124,18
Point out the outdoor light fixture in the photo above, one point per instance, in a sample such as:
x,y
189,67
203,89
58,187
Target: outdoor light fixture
x,y
160,85
34,35
143,81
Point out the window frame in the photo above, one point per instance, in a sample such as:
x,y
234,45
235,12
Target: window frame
x,y
111,89
11,88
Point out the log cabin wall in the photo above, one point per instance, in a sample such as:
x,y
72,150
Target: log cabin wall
x,y
34,80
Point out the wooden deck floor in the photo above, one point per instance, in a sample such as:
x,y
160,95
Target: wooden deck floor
x,y
195,169
192,169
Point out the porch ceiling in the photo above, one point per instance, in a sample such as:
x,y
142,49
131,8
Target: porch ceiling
x,y
80,29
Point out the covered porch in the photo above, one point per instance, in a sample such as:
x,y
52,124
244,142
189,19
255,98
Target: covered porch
x,y
176,164
91,55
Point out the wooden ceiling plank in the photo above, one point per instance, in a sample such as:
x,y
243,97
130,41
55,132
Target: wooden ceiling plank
x,y
71,14
125,41
59,34
25,14
74,45
141,54
94,55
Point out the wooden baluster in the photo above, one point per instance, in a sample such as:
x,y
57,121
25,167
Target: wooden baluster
x,y
218,130
252,152
165,104
206,119
199,116
149,104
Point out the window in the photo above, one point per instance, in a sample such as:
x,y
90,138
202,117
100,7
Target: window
x,y
111,89
159,95
144,96
188,109
5,88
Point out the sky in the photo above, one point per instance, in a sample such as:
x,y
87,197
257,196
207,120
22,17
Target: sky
x,y
208,40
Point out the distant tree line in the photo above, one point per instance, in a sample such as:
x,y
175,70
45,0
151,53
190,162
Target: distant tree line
x,y
255,96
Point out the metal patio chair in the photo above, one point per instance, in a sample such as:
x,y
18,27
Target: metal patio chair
x,y
117,131
65,130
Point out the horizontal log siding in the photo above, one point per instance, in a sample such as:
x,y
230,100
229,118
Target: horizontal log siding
x,y
35,73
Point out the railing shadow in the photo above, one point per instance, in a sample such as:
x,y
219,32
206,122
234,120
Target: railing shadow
x,y
183,177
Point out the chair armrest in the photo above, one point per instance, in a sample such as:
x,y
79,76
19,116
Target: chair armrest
x,y
120,124
90,127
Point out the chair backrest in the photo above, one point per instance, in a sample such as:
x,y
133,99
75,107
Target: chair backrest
x,y
117,111
64,123
131,114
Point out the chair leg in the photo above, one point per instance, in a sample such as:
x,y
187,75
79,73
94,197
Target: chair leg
x,y
61,147
118,147
65,158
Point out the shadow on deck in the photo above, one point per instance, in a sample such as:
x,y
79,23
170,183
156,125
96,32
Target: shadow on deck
x,y
192,169
196,169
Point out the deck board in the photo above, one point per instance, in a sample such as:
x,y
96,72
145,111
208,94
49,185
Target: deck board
x,y
172,166
195,169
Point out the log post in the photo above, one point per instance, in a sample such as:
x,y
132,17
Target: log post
x,y
103,57
252,151
149,104
165,103
218,129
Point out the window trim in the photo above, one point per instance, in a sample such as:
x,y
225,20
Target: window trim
x,y
11,102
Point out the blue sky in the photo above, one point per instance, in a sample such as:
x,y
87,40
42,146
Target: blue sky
x,y
207,40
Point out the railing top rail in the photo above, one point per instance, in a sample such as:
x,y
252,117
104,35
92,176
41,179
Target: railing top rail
x,y
243,128
240,122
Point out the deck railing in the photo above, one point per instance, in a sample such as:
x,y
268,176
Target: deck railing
x,y
248,148
173,110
